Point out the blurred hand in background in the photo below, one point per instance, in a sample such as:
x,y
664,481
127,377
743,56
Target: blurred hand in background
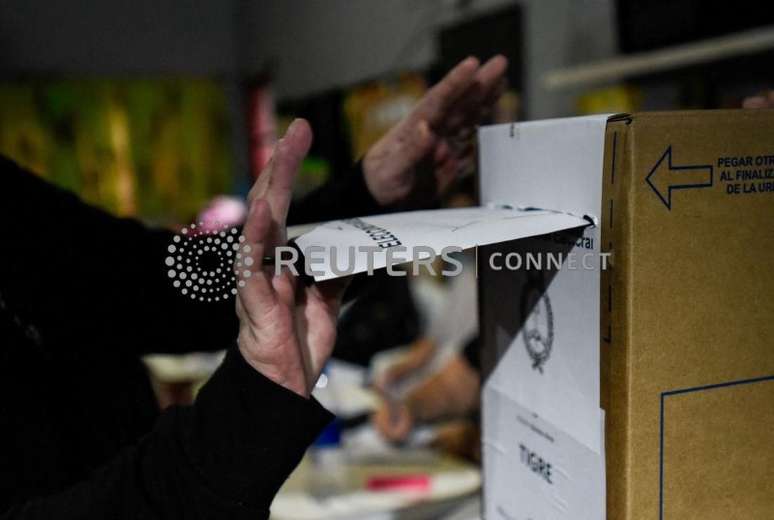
x,y
436,135
419,354
451,393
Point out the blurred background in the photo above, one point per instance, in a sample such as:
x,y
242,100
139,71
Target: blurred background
x,y
155,109
150,108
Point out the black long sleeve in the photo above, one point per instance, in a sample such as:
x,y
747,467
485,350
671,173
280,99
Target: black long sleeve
x,y
82,294
222,458
88,279
79,272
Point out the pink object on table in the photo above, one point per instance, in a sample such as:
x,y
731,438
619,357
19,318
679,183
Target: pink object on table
x,y
418,482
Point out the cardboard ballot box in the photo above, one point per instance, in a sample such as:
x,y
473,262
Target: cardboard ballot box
x,y
644,390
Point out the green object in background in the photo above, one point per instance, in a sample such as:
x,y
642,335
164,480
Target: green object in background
x,y
155,149
313,173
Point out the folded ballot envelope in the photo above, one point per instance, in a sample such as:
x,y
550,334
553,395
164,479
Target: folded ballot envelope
x,y
635,377
357,245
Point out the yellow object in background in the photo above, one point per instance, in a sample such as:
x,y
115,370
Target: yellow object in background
x,y
374,108
616,99
155,149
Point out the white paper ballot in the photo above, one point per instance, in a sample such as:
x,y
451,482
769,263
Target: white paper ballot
x,y
342,247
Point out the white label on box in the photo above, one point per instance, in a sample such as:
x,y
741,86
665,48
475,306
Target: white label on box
x,y
535,471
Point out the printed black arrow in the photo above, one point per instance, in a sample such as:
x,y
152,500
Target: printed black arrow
x,y
665,177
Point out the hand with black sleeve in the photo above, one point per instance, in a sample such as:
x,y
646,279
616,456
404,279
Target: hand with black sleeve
x,y
227,455
420,157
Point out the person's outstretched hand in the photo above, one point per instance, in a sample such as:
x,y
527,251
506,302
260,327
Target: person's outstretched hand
x,y
437,133
286,329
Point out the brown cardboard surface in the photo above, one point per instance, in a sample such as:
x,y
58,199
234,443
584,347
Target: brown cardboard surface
x,y
707,474
688,316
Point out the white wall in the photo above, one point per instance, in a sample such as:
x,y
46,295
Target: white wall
x,y
317,45
113,37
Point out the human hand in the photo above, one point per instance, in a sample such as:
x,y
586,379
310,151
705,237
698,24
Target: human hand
x,y
762,100
393,420
286,329
437,132
419,354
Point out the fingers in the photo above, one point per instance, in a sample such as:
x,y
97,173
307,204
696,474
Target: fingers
x,y
396,373
492,72
488,77
418,146
437,100
289,153
466,86
452,159
323,300
275,183
479,97
393,421
255,286
442,152
265,225
389,166
450,171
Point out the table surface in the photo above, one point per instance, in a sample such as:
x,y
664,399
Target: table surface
x,y
332,485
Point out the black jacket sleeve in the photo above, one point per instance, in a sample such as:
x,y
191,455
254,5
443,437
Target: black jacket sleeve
x,y
90,280
225,457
